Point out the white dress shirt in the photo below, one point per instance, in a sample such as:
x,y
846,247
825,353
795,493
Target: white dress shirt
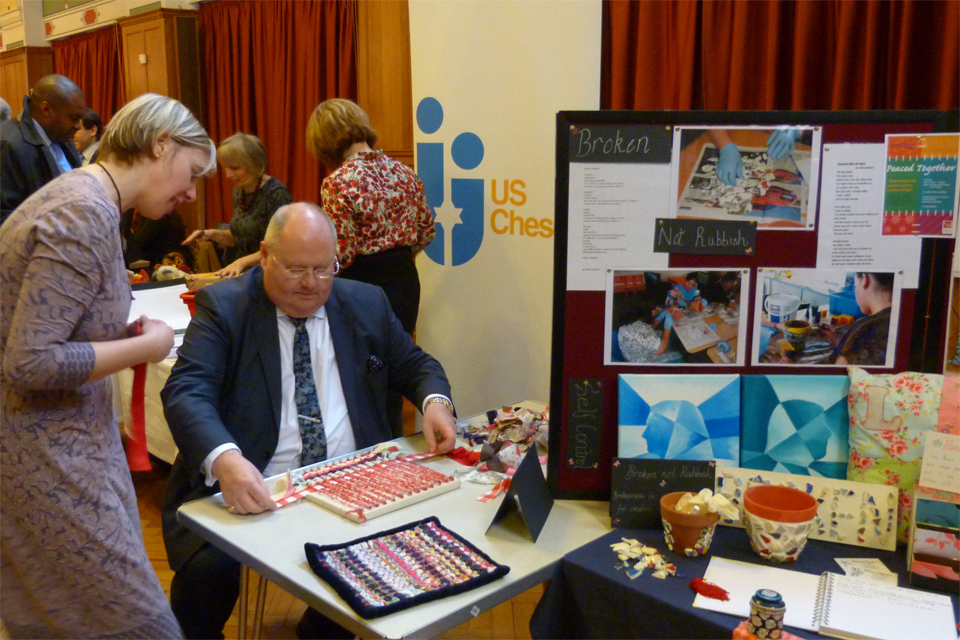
x,y
87,154
333,405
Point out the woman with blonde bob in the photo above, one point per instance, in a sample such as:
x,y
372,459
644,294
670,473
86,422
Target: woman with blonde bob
x,y
72,560
379,208
256,197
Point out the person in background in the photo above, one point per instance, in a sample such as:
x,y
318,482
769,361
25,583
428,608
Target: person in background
x,y
256,197
723,290
72,558
5,112
865,342
37,147
380,209
151,240
87,137
281,368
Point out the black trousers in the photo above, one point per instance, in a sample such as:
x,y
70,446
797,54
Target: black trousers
x,y
394,271
204,593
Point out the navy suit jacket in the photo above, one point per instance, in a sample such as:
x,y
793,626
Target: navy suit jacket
x,y
26,164
225,386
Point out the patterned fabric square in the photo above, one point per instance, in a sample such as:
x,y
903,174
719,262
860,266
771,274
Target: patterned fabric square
x,y
889,414
679,417
795,424
397,569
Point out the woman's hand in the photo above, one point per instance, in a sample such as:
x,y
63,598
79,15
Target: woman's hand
x,y
214,235
193,237
160,336
232,270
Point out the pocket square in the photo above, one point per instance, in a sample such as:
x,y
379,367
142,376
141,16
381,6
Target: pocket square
x,y
374,364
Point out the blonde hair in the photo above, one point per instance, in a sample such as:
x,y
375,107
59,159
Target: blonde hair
x,y
246,150
334,127
134,129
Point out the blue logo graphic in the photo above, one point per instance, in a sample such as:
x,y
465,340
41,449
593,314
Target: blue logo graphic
x,y
460,222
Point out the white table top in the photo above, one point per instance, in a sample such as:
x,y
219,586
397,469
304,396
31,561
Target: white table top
x,y
272,545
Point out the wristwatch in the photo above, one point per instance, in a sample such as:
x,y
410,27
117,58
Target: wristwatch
x,y
441,400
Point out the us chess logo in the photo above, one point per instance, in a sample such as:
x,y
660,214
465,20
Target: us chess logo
x,y
459,220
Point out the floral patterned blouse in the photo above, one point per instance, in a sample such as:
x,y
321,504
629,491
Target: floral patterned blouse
x,y
377,203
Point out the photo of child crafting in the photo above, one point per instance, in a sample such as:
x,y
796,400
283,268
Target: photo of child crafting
x,y
826,317
675,317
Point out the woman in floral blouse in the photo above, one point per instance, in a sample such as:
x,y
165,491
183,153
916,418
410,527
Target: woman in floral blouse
x,y
377,203
256,197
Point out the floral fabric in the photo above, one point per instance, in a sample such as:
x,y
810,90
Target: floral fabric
x,y
888,415
377,203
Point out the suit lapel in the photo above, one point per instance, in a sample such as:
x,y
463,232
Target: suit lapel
x,y
343,333
266,337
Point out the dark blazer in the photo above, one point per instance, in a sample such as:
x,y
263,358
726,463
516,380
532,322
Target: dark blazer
x,y
225,386
26,164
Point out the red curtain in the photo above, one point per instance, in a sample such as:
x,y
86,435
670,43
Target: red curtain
x,y
781,54
267,65
92,61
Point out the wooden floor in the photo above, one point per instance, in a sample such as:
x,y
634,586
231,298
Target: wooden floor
x,y
508,620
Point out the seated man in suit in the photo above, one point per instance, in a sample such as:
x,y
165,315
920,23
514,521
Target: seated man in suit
x,y
242,404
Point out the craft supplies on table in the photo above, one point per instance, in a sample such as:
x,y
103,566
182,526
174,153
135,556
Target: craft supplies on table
x,y
403,567
367,485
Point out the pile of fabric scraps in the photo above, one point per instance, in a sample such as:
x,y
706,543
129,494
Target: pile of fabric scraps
x,y
737,198
707,501
629,550
506,435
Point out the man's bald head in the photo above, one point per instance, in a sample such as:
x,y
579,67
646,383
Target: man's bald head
x,y
57,104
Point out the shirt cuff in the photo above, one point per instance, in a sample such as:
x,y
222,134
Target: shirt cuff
x,y
207,466
423,407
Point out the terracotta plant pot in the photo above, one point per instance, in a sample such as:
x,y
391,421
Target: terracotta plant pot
x,y
778,520
687,534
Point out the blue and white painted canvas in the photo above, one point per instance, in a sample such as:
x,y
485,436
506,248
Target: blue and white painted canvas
x,y
680,417
795,424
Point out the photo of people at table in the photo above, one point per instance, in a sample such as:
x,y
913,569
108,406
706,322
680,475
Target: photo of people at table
x,y
675,317
766,174
823,317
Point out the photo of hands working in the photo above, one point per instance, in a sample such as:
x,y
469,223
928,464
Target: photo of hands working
x,y
675,317
762,174
826,317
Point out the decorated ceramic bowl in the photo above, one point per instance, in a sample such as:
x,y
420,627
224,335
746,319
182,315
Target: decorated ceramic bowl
x,y
686,534
778,520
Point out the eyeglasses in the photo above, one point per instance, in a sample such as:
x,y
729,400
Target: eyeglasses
x,y
299,273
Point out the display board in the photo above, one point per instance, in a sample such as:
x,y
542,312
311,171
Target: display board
x,y
677,252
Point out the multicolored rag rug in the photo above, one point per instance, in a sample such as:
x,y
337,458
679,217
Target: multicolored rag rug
x,y
403,567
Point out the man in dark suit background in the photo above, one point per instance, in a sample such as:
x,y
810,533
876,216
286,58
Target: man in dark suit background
x,y
232,405
38,146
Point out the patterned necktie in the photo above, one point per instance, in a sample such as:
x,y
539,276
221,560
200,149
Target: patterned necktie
x,y
312,435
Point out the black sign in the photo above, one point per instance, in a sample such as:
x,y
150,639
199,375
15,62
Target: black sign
x,y
583,423
706,237
620,143
637,486
528,496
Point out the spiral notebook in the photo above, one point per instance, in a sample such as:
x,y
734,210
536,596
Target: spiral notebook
x,y
858,609
833,604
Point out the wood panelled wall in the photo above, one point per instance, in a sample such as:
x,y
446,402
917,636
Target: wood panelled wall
x,y
19,70
383,74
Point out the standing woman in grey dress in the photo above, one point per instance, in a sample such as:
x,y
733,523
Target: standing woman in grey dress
x,y
72,559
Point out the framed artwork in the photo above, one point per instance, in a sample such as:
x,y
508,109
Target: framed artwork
x,y
680,417
795,424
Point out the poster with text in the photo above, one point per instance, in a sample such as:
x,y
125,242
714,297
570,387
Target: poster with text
x,y
921,192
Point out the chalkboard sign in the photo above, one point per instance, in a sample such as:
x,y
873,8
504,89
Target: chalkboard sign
x,y
705,237
584,418
637,486
620,143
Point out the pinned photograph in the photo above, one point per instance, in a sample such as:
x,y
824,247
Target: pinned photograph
x,y
826,317
765,174
675,317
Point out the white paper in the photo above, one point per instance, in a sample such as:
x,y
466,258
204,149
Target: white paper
x,y
742,580
162,303
940,466
612,215
851,216
867,569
